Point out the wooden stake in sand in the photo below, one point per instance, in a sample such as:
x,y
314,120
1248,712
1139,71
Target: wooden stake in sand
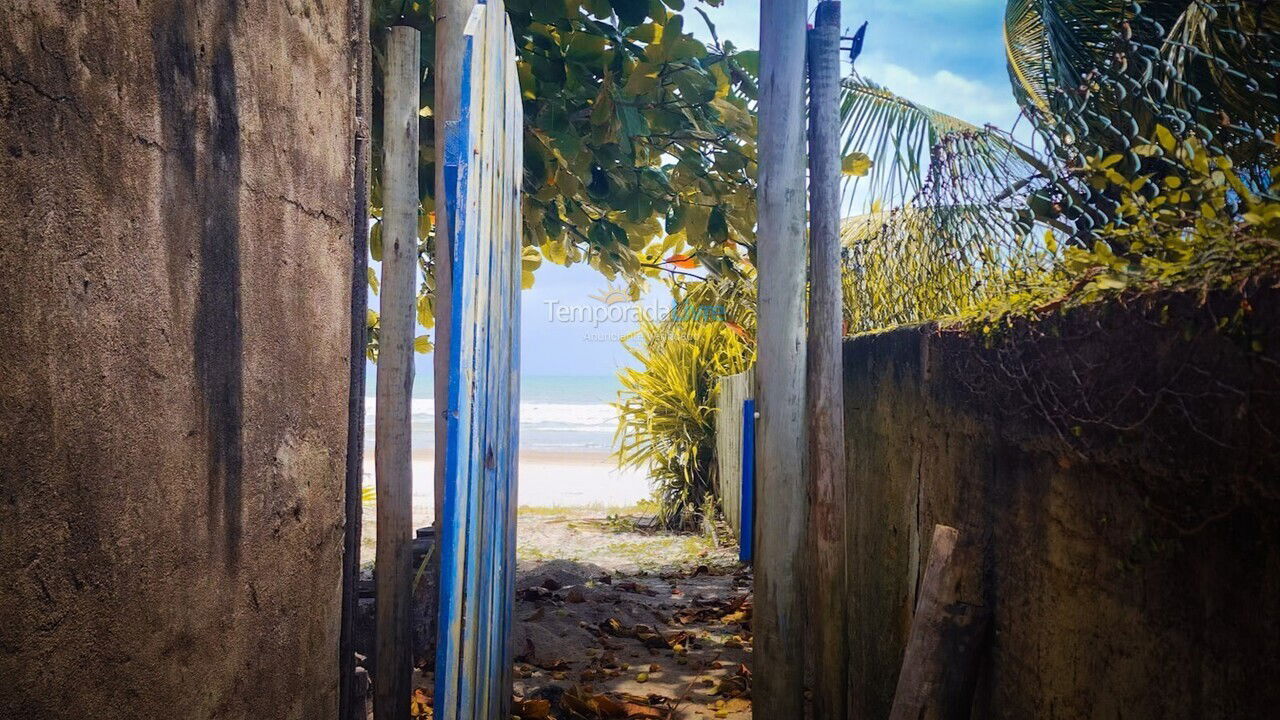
x,y
351,705
393,447
825,389
780,365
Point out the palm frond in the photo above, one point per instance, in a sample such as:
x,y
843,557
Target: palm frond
x,y
1222,60
1052,45
896,134
1099,75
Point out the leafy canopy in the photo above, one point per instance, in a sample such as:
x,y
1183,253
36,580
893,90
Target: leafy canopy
x,y
1130,103
639,139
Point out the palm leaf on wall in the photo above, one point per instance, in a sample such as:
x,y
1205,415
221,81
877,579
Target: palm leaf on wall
x,y
897,136
944,211
951,213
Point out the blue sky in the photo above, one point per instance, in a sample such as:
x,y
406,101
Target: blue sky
x,y
947,54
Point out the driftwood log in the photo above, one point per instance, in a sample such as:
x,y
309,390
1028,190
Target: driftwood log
x,y
948,631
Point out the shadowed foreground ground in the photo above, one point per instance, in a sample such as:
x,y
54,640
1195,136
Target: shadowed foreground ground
x,y
617,621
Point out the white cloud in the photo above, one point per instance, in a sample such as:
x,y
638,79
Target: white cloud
x,y
970,100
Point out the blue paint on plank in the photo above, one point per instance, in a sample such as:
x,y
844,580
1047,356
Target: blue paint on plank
x,y
452,558
483,171
746,542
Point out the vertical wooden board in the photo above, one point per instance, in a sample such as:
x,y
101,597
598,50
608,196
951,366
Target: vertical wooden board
x,y
733,391
948,631
492,534
509,200
824,389
393,447
509,227
779,623
449,663
473,680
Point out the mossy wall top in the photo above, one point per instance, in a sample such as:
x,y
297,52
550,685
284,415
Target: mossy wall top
x,y
174,283
1116,469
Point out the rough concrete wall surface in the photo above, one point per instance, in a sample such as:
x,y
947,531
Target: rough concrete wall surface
x,y
1114,470
174,288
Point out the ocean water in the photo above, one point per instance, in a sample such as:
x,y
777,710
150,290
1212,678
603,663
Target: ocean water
x,y
557,413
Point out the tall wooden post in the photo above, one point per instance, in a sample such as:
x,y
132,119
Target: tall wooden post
x,y
351,703
827,598
393,449
779,616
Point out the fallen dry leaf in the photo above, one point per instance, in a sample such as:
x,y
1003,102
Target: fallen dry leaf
x,y
531,709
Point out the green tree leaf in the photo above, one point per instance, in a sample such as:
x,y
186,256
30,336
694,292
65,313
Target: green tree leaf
x,y
630,12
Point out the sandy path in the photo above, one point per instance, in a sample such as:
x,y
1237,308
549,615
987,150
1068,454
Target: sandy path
x,y
606,609
613,621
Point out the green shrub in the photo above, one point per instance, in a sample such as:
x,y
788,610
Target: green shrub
x,y
667,406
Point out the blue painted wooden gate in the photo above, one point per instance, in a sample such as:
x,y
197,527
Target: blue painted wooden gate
x,y
483,167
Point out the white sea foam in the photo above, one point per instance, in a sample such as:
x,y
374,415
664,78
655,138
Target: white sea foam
x,y
566,415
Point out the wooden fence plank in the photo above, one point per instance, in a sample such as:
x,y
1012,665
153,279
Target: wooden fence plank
x,y
484,165
732,391
393,445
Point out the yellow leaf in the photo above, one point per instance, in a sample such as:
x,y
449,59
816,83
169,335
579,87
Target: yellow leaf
x,y
855,163
1165,138
528,85
422,344
643,78
649,32
530,259
373,280
554,251
426,313
722,81
370,317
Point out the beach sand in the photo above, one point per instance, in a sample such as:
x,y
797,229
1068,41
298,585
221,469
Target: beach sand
x,y
547,479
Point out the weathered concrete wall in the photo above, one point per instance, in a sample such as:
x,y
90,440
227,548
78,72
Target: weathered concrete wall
x,y
1116,470
175,194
